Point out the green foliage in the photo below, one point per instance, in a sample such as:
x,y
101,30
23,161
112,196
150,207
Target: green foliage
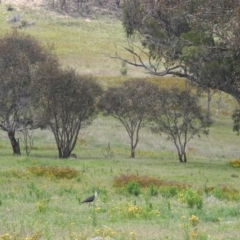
x,y
153,190
180,122
54,172
197,38
223,192
133,188
131,103
226,192
193,199
181,38
65,95
170,191
191,53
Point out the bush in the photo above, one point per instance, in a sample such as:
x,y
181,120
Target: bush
x,y
170,191
226,193
153,191
193,199
133,188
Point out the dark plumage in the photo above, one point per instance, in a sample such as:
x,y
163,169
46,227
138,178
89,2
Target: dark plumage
x,y
91,198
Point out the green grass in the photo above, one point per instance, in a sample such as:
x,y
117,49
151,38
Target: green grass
x,y
81,44
49,206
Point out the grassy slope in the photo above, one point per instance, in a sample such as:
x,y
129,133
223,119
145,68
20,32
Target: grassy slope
x,y
80,44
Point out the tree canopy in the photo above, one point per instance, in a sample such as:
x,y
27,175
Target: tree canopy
x,y
66,103
177,113
131,103
198,40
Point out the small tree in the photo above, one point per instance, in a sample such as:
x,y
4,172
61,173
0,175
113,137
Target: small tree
x,y
179,116
67,103
130,103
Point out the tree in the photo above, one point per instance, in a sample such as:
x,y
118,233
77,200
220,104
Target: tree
x,y
19,55
130,103
66,103
236,121
197,39
179,116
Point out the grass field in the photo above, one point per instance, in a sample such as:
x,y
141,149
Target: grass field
x,y
83,44
40,200
48,207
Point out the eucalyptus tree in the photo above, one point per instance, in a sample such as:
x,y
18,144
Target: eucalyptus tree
x,y
131,103
19,55
66,102
177,113
197,40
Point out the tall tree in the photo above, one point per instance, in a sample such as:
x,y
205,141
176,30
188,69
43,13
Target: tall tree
x,y
178,115
66,103
131,103
198,40
19,55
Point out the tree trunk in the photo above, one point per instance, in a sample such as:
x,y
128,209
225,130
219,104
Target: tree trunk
x,y
182,157
64,153
14,143
132,153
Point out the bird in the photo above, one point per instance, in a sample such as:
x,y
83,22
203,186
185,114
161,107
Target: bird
x,y
91,198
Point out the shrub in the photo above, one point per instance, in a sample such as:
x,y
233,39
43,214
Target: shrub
x,y
153,191
193,199
53,172
170,191
223,192
133,188
226,193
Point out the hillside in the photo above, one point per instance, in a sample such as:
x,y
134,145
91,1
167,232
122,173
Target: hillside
x,y
83,40
80,8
